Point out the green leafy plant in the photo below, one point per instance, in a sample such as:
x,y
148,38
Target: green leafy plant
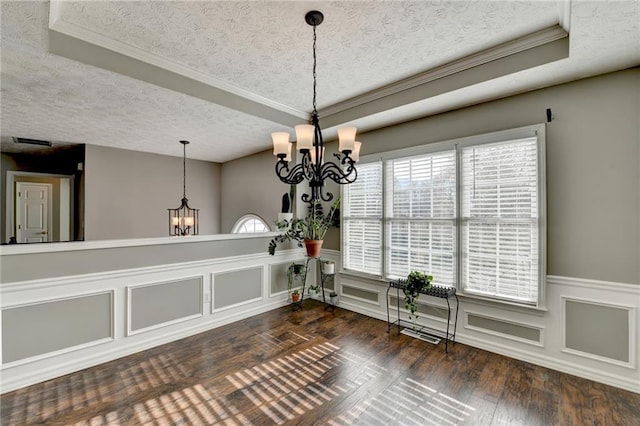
x,y
416,282
312,227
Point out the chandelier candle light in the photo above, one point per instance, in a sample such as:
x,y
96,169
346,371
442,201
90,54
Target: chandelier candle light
x,y
183,221
312,167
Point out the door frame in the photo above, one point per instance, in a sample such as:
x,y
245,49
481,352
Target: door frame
x,y
10,203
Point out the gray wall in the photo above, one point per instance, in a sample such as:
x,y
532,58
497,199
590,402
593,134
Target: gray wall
x,y
39,328
230,288
128,193
158,303
24,267
250,185
593,157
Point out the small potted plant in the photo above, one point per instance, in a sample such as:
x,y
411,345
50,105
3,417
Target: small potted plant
x,y
295,296
333,296
416,282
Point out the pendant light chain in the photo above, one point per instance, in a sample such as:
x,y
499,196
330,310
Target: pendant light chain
x,y
184,170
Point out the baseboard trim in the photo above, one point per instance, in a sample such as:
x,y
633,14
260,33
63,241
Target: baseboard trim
x,y
552,363
60,369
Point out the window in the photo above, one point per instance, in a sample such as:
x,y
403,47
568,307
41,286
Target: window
x,y
250,223
469,212
362,221
499,219
421,216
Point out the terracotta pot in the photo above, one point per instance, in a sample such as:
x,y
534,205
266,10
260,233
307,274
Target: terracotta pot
x,y
295,297
313,247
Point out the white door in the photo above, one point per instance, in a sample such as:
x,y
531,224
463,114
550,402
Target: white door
x,y
33,213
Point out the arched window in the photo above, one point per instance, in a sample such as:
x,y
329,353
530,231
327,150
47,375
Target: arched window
x,y
250,223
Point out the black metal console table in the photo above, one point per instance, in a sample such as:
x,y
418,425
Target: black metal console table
x,y
433,291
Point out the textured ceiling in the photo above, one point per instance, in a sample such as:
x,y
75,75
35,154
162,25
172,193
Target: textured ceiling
x,y
264,48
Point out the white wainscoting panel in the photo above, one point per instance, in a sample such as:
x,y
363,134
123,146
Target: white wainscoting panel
x,y
550,351
123,340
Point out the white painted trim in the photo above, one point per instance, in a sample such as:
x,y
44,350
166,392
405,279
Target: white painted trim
x,y
56,23
10,205
564,14
9,250
631,321
594,284
250,216
59,369
261,268
539,343
530,41
129,299
122,273
357,287
550,353
112,314
19,188
552,362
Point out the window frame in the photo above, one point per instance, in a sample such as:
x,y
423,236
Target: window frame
x,y
537,130
243,219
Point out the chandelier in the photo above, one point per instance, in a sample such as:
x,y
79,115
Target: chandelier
x,y
183,221
312,166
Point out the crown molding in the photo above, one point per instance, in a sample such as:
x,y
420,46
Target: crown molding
x,y
57,24
521,44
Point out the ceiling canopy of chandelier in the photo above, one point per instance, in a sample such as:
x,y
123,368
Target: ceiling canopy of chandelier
x,y
310,144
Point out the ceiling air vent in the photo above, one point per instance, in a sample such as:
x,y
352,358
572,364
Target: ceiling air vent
x,y
31,141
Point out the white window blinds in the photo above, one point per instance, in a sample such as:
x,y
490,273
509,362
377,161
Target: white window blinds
x,y
421,216
469,211
362,221
500,220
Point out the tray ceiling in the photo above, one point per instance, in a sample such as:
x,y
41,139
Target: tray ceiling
x,y
256,57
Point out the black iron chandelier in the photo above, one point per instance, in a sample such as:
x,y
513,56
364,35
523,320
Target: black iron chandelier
x,y
183,221
312,166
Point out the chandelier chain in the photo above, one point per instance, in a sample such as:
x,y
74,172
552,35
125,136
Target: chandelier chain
x,y
315,110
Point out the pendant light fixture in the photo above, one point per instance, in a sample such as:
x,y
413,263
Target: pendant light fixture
x,y
312,166
183,221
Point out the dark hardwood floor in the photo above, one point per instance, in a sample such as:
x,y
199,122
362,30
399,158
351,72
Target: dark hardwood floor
x,y
322,368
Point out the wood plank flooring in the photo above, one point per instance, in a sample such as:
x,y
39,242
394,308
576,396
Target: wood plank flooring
x,y
321,368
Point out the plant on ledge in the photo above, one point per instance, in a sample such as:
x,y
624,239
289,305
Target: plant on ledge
x,y
416,282
313,227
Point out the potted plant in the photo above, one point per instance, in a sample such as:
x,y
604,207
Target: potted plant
x,y
416,282
333,296
295,296
308,231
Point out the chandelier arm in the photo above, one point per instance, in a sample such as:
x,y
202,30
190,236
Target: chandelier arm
x,y
291,177
336,174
